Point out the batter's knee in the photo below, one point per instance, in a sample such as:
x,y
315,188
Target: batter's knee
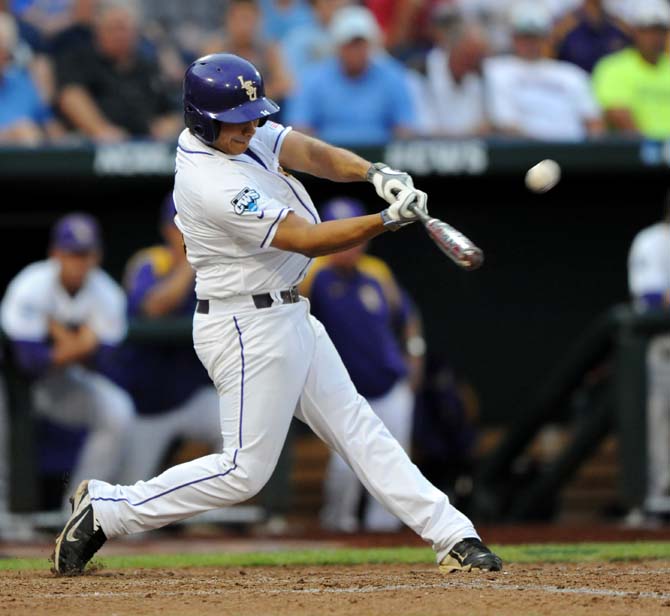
x,y
253,475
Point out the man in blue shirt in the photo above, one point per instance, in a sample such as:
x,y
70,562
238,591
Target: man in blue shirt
x,y
377,333
24,117
359,97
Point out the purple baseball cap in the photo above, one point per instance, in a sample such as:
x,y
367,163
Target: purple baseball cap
x,y
168,210
342,207
76,232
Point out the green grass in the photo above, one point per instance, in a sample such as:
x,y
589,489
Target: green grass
x,y
577,552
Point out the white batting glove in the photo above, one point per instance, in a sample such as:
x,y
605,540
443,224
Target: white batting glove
x,y
399,214
388,182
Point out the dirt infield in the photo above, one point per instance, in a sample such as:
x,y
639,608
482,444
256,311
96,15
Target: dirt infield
x,y
619,588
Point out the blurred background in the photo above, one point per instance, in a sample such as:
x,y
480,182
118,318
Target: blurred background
x,y
538,382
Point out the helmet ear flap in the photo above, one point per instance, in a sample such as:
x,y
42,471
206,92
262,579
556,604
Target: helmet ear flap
x,y
201,125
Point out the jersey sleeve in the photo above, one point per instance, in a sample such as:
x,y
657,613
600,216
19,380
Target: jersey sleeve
x,y
646,274
246,213
142,273
272,136
109,317
24,315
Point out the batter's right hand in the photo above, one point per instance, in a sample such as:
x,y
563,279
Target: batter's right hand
x,y
388,182
399,213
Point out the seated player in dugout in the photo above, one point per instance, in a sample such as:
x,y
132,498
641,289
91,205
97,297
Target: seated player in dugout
x,y
174,398
251,232
377,333
65,318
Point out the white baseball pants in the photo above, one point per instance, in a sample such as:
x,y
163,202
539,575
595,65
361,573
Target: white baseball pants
x,y
658,425
269,364
343,490
77,397
196,418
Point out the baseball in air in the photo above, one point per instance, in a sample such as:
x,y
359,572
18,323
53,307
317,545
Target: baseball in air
x,y
544,176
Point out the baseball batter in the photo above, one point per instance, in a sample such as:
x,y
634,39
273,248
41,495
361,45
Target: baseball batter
x,y
250,231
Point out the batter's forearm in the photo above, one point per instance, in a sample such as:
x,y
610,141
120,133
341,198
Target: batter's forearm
x,y
301,152
296,235
338,164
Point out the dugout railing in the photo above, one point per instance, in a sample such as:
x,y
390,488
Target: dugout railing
x,y
607,363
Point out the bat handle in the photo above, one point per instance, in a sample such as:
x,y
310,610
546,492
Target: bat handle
x,y
420,214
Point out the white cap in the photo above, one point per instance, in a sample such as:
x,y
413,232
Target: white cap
x,y
646,13
354,22
530,17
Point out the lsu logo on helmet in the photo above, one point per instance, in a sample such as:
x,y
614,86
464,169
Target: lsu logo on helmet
x,y
246,201
248,87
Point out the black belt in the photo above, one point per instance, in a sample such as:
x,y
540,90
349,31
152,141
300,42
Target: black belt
x,y
262,300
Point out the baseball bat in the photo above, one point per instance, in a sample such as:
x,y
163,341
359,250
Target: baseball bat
x,y
450,241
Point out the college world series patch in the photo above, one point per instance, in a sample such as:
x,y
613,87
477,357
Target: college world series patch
x,y
246,201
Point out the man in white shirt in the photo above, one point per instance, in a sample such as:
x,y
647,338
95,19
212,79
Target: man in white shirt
x,y
529,95
454,83
250,231
64,316
649,284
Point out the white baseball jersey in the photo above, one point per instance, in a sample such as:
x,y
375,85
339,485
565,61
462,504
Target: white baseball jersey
x,y
649,261
545,99
229,208
36,295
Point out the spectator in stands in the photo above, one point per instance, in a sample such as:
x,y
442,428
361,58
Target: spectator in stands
x,y
455,87
64,317
633,85
242,37
46,24
399,22
649,284
280,17
359,97
529,95
587,34
108,90
173,395
377,332
25,118
310,43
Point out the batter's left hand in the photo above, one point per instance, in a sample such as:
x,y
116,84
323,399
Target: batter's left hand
x,y
399,214
388,182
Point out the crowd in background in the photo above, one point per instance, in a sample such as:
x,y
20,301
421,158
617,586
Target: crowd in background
x,y
353,73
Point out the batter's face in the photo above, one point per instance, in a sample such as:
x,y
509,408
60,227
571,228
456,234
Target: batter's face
x,y
234,138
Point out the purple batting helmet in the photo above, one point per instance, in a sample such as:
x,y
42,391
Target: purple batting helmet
x,y
76,233
222,87
341,207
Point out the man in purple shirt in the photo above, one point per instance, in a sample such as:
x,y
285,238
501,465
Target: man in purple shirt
x,y
587,34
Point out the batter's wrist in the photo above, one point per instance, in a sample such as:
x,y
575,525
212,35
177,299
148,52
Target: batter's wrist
x,y
389,223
